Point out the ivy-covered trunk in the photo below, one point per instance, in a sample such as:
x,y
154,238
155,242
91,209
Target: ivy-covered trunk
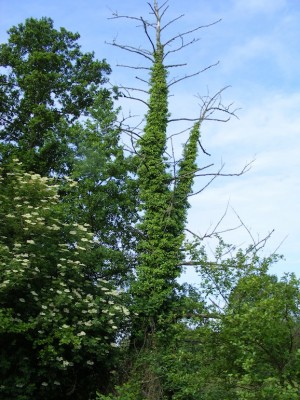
x,y
164,203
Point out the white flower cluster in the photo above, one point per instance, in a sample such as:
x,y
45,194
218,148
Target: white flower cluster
x,y
49,272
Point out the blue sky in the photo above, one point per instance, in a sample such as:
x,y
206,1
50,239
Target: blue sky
x,y
257,44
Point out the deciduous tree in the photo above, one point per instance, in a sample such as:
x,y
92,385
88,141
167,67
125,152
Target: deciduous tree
x,y
59,317
58,118
47,84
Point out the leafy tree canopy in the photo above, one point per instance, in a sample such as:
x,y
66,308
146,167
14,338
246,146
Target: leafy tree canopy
x,y
59,317
47,84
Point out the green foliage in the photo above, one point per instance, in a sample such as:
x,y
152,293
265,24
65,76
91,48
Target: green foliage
x,y
71,237
62,122
47,83
163,206
262,330
237,338
59,317
106,195
73,230
251,350
158,247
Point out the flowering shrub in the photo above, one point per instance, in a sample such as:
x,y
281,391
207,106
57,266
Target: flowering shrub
x,y
59,317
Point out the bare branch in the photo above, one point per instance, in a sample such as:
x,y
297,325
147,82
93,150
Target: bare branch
x,y
220,220
191,75
277,248
182,46
171,22
203,188
156,9
214,232
247,229
180,132
202,148
129,96
210,181
212,104
142,80
183,119
156,12
163,12
257,245
218,119
180,35
131,132
153,9
245,169
147,34
115,15
134,89
142,52
229,229
188,174
175,65
214,175
260,244
132,67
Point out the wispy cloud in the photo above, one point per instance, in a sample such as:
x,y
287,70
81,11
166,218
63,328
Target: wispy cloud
x,y
259,6
273,120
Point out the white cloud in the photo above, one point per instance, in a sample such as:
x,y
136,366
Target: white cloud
x,y
272,120
259,6
267,197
